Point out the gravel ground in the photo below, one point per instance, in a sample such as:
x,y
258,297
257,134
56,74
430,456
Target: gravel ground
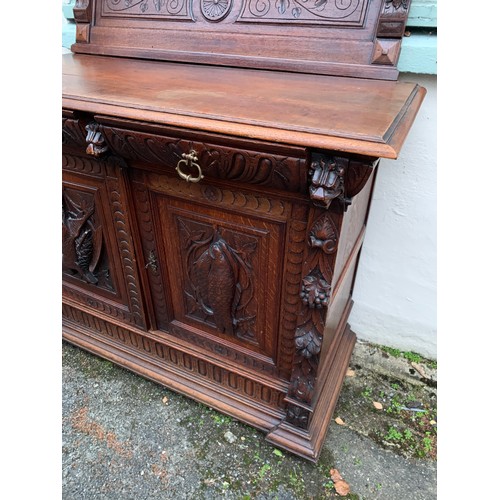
x,y
125,437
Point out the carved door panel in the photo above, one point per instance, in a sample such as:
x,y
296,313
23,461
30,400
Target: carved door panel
x,y
97,253
215,269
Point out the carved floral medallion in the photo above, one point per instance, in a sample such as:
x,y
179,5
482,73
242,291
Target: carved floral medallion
x,y
215,10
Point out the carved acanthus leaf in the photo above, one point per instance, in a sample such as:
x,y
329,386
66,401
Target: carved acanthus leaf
x,y
298,416
72,133
308,341
324,234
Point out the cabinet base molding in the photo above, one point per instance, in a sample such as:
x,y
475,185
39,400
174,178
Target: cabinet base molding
x,y
258,402
308,443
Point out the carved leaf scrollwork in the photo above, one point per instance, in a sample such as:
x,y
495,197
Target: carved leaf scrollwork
x,y
306,10
163,8
324,234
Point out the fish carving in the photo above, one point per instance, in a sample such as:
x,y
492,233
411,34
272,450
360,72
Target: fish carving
x,y
215,280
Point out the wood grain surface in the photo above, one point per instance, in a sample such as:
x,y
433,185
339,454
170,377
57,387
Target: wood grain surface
x,y
352,115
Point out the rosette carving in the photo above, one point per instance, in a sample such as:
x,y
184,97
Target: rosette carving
x,y
215,10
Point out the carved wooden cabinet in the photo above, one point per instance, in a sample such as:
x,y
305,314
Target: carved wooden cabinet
x,y
216,192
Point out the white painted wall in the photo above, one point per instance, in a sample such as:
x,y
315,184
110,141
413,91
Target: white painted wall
x,y
395,290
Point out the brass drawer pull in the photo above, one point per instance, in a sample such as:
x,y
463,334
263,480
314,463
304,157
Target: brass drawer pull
x,y
189,159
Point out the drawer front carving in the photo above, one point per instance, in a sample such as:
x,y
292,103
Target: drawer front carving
x,y
98,258
240,165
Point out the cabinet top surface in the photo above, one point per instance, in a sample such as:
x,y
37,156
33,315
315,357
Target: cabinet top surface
x,y
354,115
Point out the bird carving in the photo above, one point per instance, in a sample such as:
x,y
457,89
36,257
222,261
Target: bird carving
x,y
81,243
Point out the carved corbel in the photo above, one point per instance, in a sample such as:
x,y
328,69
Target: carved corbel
x,y
327,179
392,20
337,178
96,144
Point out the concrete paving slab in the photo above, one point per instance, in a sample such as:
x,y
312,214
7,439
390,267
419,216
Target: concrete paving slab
x,y
125,437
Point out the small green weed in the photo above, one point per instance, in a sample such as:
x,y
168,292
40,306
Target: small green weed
x,y
412,356
367,392
393,434
221,419
390,350
417,444
395,407
263,470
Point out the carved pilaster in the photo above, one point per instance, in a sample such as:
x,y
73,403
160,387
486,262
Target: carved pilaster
x,y
82,12
315,296
393,18
390,30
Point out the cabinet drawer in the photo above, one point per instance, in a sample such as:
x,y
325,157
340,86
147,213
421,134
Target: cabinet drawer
x,y
228,159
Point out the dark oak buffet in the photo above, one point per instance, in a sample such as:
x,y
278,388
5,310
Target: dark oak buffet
x,y
218,162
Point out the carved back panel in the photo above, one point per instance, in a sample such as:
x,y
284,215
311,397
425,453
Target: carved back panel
x,y
360,38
